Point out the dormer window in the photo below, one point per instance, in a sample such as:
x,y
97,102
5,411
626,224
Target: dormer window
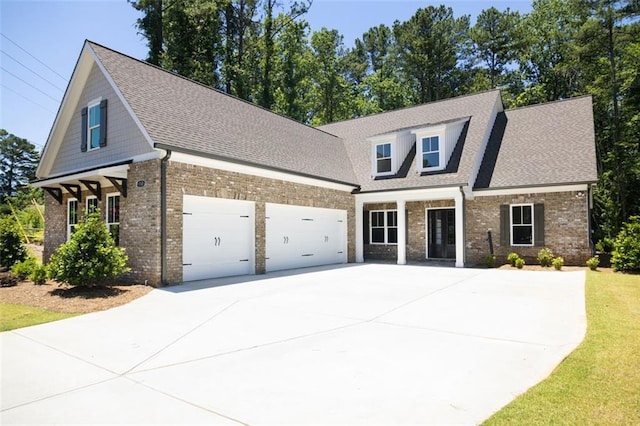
x,y
436,144
430,152
383,158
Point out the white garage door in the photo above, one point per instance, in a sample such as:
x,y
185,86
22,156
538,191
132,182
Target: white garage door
x,y
298,237
217,238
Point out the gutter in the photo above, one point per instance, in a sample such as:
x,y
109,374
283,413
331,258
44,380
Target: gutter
x,y
163,218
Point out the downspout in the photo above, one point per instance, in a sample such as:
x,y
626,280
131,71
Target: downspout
x,y
163,218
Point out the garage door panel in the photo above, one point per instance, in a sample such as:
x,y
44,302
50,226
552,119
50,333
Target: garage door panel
x,y
218,237
304,236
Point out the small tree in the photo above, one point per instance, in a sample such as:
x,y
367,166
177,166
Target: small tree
x,y
626,248
90,257
12,249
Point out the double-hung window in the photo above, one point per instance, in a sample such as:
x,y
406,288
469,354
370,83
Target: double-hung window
x,y
113,216
522,224
384,226
430,152
93,126
72,216
383,158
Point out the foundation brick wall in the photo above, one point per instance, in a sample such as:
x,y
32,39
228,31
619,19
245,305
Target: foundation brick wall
x,y
565,227
55,230
186,179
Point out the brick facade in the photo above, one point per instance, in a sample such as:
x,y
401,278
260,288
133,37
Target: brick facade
x,y
565,227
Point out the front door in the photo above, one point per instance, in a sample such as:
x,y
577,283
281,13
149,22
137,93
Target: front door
x,y
441,234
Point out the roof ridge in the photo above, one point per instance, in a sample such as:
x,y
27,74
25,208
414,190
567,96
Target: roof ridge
x,y
218,91
557,101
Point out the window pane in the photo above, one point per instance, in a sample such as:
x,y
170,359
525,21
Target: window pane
x,y
114,230
526,215
377,219
73,212
517,215
94,116
384,165
92,205
430,160
392,218
392,235
94,137
426,145
113,209
377,235
383,150
435,143
523,234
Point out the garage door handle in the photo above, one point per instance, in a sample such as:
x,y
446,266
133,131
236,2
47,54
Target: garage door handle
x,y
187,264
244,260
308,254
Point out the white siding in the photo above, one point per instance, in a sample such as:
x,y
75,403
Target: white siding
x,y
404,142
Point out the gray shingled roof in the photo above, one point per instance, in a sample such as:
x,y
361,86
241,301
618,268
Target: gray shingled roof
x,y
355,133
546,144
179,113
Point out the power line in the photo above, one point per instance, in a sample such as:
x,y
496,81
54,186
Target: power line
x,y
27,99
48,67
29,84
31,71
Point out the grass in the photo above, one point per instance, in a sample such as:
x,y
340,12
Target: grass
x,y
598,383
14,316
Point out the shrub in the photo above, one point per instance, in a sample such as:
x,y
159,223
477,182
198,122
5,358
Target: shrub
x,y
90,257
626,248
512,257
7,279
605,245
491,260
593,263
558,263
12,249
38,275
520,263
23,269
545,257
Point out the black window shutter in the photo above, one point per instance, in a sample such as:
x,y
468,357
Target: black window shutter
x,y
365,226
103,123
83,130
538,225
505,225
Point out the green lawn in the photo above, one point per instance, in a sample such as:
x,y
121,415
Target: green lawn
x,y
17,316
599,383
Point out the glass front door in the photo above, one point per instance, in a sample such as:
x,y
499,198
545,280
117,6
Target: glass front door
x,y
441,234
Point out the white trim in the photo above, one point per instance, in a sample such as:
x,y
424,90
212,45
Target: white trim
x,y
531,190
211,163
427,194
401,232
114,171
420,153
533,221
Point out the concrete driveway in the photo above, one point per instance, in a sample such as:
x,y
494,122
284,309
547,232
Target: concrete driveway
x,y
357,344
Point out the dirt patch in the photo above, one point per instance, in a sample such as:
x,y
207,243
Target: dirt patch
x,y
67,299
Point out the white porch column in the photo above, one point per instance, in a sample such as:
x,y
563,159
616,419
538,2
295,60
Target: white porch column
x,y
459,230
402,233
359,233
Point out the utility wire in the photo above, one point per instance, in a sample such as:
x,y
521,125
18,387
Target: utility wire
x,y
30,70
48,67
27,99
29,84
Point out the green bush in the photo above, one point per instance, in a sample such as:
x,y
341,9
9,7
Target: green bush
x,y
491,260
23,269
558,263
12,249
90,257
626,248
593,263
38,275
520,263
545,257
605,245
512,257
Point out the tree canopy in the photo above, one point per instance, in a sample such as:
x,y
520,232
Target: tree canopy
x,y
18,162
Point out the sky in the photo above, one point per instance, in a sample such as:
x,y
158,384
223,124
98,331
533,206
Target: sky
x,y
40,41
